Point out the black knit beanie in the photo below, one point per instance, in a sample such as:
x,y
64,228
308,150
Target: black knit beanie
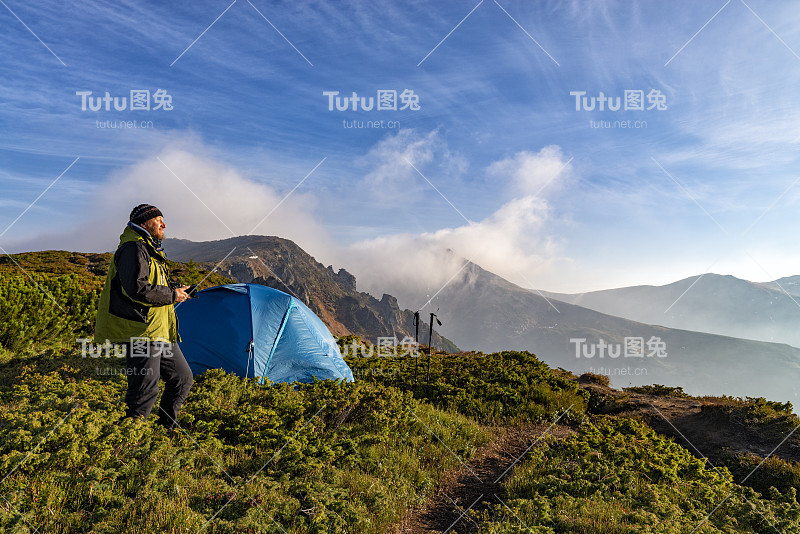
x,y
143,213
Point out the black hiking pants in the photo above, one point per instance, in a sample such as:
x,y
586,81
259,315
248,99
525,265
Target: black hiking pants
x,y
146,363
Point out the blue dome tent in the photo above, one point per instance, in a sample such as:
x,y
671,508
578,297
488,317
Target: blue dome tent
x,y
257,331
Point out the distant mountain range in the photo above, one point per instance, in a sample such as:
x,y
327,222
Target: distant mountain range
x,y
280,263
707,303
790,284
482,311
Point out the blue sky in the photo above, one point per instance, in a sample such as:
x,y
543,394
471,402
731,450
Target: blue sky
x,y
496,165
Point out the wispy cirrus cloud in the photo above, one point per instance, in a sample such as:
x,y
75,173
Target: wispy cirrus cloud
x,y
490,100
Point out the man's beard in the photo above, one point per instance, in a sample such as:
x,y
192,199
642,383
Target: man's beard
x,y
156,233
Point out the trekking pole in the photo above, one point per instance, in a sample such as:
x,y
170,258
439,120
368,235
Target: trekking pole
x,y
416,340
430,345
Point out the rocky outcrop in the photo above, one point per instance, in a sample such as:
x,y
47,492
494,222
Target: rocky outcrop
x,y
332,295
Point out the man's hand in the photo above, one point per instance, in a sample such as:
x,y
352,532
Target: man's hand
x,y
181,293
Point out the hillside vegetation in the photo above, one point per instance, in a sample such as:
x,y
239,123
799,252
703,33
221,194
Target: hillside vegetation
x,y
324,457
364,457
51,297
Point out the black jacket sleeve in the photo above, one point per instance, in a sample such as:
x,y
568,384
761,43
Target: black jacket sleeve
x,y
133,269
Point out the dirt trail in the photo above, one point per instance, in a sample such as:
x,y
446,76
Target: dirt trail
x,y
476,484
692,422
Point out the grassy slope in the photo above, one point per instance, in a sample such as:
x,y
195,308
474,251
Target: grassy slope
x,y
319,458
355,466
336,457
616,474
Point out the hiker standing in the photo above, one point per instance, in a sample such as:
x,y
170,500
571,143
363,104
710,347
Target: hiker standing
x,y
137,309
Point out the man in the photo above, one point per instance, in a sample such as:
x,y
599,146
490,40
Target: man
x,y
137,308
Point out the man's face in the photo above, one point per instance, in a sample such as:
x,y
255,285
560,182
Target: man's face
x,y
155,226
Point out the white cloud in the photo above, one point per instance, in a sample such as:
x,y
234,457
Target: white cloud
x,y
390,174
511,242
532,172
202,199
206,199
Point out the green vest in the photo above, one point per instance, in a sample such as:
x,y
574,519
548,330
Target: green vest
x,y
159,323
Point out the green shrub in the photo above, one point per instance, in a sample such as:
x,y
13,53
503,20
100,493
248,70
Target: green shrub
x,y
770,420
594,378
50,298
322,457
44,310
618,476
505,387
658,390
762,474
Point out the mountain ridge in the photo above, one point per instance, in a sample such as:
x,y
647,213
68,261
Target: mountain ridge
x,y
484,312
492,314
282,264
710,303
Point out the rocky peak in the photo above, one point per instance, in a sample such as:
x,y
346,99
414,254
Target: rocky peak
x,y
347,279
